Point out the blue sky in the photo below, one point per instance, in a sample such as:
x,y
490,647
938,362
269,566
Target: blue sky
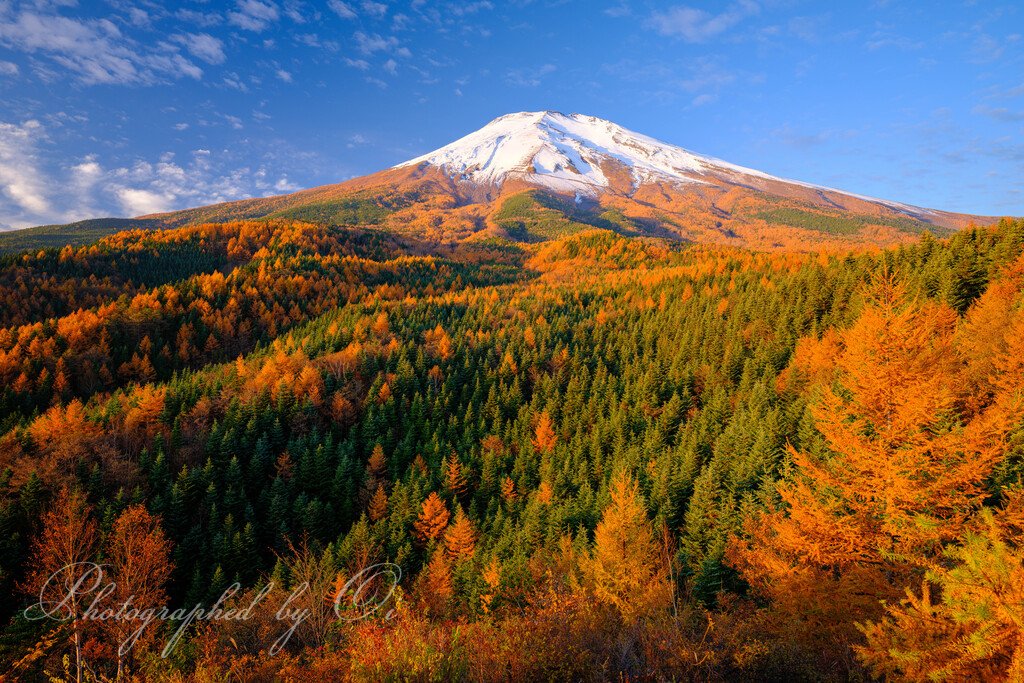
x,y
123,107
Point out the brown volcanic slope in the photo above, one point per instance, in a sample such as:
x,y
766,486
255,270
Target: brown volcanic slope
x,y
537,175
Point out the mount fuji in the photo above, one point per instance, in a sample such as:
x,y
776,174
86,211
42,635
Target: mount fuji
x,y
531,176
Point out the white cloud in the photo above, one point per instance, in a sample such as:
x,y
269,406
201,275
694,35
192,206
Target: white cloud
x,y
34,193
253,15
370,43
136,202
22,185
139,17
94,50
360,64
202,46
285,185
284,75
293,10
8,68
201,19
460,9
697,25
391,66
617,11
234,81
529,78
342,9
375,9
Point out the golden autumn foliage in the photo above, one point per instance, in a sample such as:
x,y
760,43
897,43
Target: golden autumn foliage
x,y
544,436
905,475
138,557
378,507
625,568
311,393
460,537
454,477
966,623
435,583
508,490
433,518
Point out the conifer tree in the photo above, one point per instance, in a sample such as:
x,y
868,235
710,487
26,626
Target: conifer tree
x,y
378,504
435,584
67,539
907,472
544,437
624,567
455,477
460,537
433,518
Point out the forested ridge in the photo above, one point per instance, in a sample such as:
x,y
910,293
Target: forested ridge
x,y
594,457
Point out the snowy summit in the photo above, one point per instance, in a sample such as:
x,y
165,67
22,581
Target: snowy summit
x,y
568,152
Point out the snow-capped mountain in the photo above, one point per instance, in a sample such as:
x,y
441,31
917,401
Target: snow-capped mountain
x,y
565,152
586,154
532,176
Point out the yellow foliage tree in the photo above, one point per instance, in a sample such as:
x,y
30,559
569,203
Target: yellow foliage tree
x,y
976,629
907,473
433,518
460,537
624,567
544,437
974,632
378,504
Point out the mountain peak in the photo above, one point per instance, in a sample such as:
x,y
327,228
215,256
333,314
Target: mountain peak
x,y
569,152
590,155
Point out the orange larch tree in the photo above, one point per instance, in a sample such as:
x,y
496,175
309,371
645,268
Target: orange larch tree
x,y
460,537
907,471
544,436
433,518
968,621
139,559
625,568
68,537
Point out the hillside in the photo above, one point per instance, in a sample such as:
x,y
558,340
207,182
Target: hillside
x,y
279,400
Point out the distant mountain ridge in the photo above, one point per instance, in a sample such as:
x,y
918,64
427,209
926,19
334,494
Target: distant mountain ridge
x,y
530,176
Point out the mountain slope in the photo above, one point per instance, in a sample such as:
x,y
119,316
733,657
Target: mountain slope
x,y
591,173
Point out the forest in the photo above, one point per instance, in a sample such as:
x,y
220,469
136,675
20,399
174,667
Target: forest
x,y
597,456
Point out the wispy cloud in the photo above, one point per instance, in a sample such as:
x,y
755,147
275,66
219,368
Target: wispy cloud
x,y
342,9
696,25
254,15
800,138
374,9
22,186
94,50
368,43
529,78
202,46
1003,114
31,193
